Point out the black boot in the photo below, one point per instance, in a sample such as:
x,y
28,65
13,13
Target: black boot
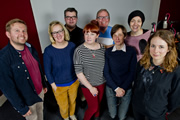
x,y
96,118
83,104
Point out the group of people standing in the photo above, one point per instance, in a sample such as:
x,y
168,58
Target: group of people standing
x,y
126,66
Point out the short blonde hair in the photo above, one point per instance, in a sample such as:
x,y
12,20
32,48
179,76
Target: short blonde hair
x,y
52,24
16,20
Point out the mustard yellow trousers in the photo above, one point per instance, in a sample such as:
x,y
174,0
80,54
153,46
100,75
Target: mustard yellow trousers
x,y
66,99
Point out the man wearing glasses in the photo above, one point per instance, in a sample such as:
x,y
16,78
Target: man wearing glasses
x,y
103,18
76,33
77,37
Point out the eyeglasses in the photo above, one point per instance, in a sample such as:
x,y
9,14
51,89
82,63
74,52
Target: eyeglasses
x,y
103,17
71,17
57,32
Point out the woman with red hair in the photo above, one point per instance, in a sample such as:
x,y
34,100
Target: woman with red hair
x,y
89,65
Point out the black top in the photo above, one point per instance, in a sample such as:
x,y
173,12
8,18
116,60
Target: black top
x,y
156,91
76,36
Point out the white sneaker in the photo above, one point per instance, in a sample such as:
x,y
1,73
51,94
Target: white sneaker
x,y
73,117
67,118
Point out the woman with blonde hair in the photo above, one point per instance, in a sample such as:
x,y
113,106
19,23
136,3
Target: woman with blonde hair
x,y
157,82
59,69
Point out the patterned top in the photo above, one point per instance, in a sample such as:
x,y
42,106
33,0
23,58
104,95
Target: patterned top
x,y
90,63
138,42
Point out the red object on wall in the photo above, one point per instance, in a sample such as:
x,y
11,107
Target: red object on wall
x,y
172,7
10,9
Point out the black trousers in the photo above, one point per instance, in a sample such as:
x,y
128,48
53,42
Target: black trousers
x,y
140,116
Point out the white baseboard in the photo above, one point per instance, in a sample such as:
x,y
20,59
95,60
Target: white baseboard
x,y
2,100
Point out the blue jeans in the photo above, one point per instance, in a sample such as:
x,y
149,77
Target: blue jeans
x,y
118,105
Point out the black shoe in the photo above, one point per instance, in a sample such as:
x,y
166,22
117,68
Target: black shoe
x,y
96,118
115,118
83,104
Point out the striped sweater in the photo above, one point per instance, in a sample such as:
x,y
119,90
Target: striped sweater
x,y
90,63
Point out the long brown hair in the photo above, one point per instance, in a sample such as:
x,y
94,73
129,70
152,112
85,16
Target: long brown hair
x,y
170,61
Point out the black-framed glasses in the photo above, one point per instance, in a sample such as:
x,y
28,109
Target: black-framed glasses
x,y
71,17
103,17
57,32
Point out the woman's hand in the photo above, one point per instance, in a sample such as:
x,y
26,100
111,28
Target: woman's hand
x,y
120,92
86,83
54,87
94,91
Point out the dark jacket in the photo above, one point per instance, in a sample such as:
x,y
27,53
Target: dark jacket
x,y
15,80
158,95
76,36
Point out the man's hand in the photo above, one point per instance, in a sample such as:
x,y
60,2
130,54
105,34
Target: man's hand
x,y
45,90
28,113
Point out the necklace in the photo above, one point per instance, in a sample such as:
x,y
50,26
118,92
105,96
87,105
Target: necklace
x,y
153,69
93,53
92,48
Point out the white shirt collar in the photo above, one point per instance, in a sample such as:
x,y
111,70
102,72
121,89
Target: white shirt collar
x,y
123,48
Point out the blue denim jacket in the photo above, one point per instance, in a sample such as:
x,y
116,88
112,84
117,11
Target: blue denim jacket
x,y
15,80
